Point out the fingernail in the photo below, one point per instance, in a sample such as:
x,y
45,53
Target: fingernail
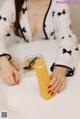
x,y
49,86
52,93
49,91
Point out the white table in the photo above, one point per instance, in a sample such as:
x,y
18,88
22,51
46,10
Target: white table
x,y
24,101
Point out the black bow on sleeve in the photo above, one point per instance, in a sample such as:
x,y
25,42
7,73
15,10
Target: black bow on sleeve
x,y
65,51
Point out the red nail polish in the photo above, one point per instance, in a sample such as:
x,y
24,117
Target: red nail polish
x,y
49,91
49,86
52,93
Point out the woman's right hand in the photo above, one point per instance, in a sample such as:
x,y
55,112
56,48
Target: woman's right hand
x,y
9,71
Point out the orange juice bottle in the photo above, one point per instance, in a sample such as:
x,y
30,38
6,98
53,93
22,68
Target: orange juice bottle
x,y
43,78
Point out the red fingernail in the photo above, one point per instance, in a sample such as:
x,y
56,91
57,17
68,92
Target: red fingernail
x,y
49,86
52,93
49,91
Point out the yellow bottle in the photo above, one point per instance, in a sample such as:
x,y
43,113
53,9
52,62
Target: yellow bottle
x,y
43,78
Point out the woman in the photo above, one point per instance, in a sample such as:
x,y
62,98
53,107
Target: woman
x,y
38,19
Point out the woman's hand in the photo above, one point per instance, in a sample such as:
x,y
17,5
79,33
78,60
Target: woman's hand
x,y
57,83
9,71
15,64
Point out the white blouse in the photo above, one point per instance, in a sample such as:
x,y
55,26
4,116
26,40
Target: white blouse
x,y
56,25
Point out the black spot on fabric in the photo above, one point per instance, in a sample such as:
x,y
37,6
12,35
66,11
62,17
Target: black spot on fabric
x,y
52,33
24,29
4,19
76,48
70,36
8,35
24,10
59,13
53,13
62,37
65,51
64,12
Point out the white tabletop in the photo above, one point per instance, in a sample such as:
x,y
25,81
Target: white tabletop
x,y
24,100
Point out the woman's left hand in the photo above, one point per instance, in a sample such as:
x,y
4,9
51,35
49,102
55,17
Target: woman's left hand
x,y
57,83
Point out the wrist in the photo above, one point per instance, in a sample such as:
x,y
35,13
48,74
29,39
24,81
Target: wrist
x,y
61,69
3,58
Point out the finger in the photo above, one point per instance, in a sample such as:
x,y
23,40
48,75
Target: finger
x,y
16,76
15,64
55,84
52,82
62,87
12,79
57,90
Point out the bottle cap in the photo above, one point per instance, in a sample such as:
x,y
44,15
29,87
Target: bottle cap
x,y
39,63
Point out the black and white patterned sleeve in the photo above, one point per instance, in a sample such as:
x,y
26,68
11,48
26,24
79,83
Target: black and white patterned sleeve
x,y
67,54
6,21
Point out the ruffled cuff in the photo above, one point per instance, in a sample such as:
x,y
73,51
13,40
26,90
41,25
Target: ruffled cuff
x,y
6,55
70,70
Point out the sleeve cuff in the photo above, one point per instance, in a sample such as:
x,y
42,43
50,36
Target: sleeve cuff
x,y
70,72
7,55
